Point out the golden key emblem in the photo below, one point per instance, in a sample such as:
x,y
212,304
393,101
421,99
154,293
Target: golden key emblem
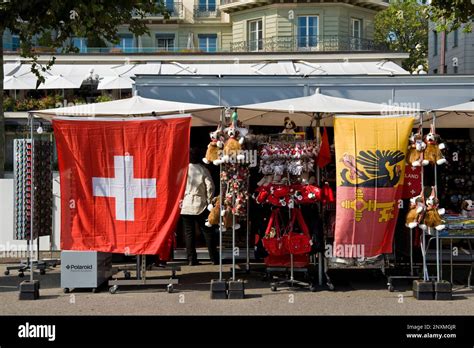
x,y
359,205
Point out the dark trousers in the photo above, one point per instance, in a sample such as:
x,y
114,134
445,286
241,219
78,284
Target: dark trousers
x,y
189,227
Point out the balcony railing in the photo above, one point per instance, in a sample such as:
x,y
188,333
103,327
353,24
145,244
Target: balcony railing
x,y
317,43
175,10
206,11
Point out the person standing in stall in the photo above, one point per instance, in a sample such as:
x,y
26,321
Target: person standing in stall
x,y
198,195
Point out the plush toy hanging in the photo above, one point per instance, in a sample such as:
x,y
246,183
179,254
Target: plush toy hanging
x,y
212,153
232,147
432,217
433,149
214,217
416,148
415,212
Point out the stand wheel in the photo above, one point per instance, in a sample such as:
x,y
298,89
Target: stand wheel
x,y
7,272
42,272
330,286
391,288
113,289
126,275
94,290
173,274
54,265
312,288
21,274
169,288
273,287
66,290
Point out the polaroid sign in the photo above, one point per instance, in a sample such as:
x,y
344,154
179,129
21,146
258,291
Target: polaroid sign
x,y
37,331
79,268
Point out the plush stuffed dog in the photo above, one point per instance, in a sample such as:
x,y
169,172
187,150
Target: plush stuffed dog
x,y
467,208
433,149
289,125
416,147
432,217
212,152
415,213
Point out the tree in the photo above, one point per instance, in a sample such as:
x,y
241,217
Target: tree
x,y
451,14
403,27
55,22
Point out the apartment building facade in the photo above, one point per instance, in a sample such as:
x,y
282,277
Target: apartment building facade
x,y
247,26
456,48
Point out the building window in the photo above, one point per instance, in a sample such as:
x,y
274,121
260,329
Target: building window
x,y
356,28
435,71
308,31
169,6
255,35
165,42
126,43
15,42
455,38
435,43
207,5
207,42
80,43
455,69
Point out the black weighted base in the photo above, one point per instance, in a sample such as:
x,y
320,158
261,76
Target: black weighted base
x,y
29,290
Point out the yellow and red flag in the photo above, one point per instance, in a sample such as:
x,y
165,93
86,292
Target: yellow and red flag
x,y
370,166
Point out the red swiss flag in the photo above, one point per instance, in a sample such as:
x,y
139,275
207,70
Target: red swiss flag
x,y
121,182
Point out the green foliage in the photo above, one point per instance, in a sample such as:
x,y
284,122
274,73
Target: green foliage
x,y
28,104
449,15
403,27
103,98
56,21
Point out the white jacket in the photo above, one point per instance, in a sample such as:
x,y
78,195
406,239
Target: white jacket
x,y
199,190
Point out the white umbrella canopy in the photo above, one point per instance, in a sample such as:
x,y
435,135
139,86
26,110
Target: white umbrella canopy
x,y
14,82
61,82
454,116
301,110
115,82
203,114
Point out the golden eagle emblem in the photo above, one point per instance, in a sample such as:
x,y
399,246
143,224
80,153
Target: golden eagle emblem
x,y
381,168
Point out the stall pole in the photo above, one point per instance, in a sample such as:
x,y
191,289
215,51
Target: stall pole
x,y
320,206
438,268
248,227
221,198
31,117
233,239
411,252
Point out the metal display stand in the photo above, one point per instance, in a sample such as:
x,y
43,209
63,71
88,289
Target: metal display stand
x,y
30,264
141,277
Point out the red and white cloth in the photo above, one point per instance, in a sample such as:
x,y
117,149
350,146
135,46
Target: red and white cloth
x,y
121,182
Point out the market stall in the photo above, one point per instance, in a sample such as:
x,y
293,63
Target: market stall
x,y
137,109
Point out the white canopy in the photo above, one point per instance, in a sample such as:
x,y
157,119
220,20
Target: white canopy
x,y
203,115
302,110
454,116
15,82
115,82
61,82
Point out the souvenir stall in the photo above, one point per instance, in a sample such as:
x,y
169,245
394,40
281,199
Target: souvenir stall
x,y
137,109
454,191
291,183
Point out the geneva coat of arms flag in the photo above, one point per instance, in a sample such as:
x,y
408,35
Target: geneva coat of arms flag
x,y
121,182
370,167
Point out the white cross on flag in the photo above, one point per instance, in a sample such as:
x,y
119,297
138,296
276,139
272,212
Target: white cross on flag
x,y
121,182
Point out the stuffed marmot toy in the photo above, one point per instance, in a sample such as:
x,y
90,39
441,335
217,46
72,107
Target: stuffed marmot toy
x,y
212,152
415,212
432,216
416,147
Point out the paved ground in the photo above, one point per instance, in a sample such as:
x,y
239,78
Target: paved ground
x,y
356,294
